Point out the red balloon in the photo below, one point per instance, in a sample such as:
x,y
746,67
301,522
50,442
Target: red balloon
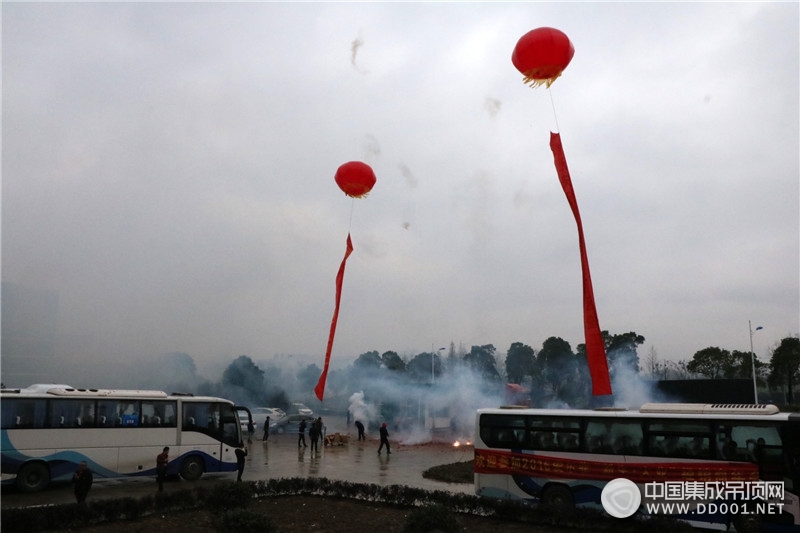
x,y
541,55
355,178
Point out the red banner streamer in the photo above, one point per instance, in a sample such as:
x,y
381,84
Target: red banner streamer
x,y
320,388
637,469
595,349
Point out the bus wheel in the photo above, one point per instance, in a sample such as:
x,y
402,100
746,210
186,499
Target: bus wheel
x,y
192,468
33,477
558,496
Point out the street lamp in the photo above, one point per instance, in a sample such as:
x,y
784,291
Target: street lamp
x,y
753,359
433,360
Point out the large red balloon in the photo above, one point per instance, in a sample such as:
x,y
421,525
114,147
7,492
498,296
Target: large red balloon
x,y
355,179
541,55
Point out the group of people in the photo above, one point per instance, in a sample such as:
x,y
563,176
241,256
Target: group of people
x,y
315,433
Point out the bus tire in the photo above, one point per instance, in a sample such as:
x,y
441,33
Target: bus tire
x,y
33,477
192,468
558,496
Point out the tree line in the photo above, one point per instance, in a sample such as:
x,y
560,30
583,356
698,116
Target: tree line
x,y
555,373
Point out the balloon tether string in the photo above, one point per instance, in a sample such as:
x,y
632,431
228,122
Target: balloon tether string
x,y
552,103
352,208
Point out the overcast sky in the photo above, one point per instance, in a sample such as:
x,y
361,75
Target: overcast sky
x,y
168,171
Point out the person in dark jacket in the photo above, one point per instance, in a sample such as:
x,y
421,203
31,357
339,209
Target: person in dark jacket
x,y
360,428
241,453
384,439
301,434
266,429
314,433
82,479
162,460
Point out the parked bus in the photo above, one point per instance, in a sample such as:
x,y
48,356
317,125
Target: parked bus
x,y
47,430
566,457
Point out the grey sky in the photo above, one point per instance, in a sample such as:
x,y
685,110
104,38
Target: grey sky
x,y
168,170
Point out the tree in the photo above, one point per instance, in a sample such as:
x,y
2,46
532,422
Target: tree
x,y
368,361
785,366
557,368
621,350
243,372
652,366
307,377
392,361
520,361
424,366
174,371
481,360
741,364
711,362
242,382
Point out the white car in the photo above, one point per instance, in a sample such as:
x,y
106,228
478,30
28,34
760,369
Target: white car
x,y
300,409
260,414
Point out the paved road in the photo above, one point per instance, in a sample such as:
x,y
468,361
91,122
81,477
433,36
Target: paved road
x,y
358,462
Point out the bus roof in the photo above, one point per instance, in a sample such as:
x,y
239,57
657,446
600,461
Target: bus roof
x,y
661,410
44,390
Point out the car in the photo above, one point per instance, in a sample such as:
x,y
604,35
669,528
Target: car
x,y
260,414
300,409
290,423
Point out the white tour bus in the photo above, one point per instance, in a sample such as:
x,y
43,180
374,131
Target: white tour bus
x,y
567,456
47,430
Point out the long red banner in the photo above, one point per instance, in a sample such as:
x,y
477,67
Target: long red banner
x,y
319,390
595,349
543,466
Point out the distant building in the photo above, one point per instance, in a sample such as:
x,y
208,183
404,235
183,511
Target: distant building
x,y
29,330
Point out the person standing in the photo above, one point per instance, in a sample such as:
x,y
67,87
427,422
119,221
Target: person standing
x,y
360,428
251,429
313,433
301,434
384,439
266,429
240,455
162,460
82,479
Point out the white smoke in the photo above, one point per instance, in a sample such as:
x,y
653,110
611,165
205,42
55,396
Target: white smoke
x,y
360,410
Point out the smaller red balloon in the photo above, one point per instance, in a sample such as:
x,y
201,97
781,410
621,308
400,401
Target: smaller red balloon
x,y
541,55
355,179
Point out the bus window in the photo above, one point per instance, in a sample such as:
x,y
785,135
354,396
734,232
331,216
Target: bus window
x,y
23,413
203,417
107,413
679,438
626,438
231,430
504,431
158,414
597,438
71,413
128,413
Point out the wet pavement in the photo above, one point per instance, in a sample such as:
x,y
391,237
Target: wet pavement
x,y
281,457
